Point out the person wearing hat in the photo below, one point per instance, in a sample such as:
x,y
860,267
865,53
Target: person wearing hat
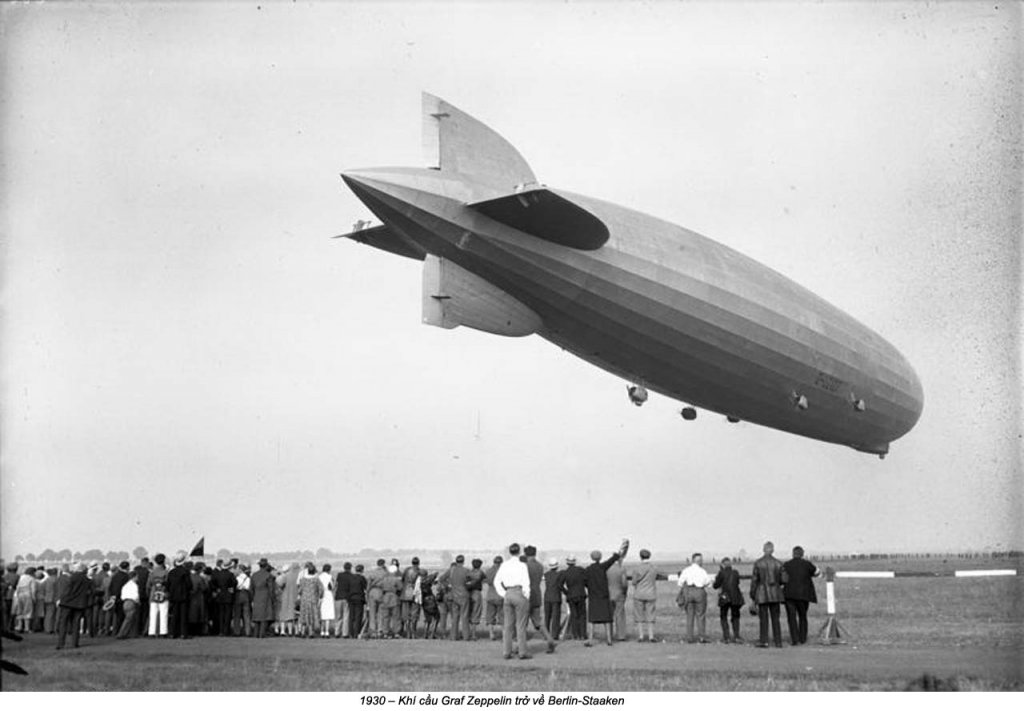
x,y
536,599
645,596
263,589
458,602
76,598
599,606
730,600
475,587
575,582
222,587
492,601
554,589
179,592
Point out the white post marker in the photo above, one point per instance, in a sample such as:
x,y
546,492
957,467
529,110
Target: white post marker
x,y
831,632
982,573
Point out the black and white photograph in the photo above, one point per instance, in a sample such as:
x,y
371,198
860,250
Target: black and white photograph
x,y
511,353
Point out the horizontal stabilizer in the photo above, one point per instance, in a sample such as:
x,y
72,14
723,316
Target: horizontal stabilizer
x,y
545,214
383,237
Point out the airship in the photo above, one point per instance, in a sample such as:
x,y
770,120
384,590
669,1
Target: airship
x,y
664,308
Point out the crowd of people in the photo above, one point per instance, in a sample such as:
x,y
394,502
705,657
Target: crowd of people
x,y
182,598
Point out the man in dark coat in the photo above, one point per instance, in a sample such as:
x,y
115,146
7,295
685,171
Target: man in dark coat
x,y
536,614
459,600
179,591
599,604
117,581
264,589
142,579
554,588
766,593
356,602
342,588
75,599
798,589
575,581
730,600
222,586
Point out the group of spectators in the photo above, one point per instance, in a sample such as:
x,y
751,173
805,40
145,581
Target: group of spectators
x,y
184,598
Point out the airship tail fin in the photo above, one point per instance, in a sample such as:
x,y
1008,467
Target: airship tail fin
x,y
454,141
383,237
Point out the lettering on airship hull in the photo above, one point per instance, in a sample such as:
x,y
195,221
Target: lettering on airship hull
x,y
829,383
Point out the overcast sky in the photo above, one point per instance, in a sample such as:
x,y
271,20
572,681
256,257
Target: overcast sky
x,y
186,353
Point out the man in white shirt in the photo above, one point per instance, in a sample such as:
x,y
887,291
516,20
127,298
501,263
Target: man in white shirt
x,y
130,602
694,582
512,583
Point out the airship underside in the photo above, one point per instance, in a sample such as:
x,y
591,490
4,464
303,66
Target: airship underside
x,y
652,302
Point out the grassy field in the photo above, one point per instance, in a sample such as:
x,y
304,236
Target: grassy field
x,y
965,632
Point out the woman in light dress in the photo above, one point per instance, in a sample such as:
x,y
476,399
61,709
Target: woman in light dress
x,y
24,600
327,601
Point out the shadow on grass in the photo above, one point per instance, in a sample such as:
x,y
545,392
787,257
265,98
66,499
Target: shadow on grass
x,y
176,673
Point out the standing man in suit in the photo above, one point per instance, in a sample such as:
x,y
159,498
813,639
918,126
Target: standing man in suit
x,y
342,588
618,586
554,588
599,604
356,602
459,601
117,581
492,601
645,596
798,589
730,600
142,580
475,585
179,591
576,595
375,596
536,614
410,608
75,600
223,586
766,593
49,587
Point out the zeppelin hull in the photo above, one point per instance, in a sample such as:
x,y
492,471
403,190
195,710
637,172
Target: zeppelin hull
x,y
650,301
